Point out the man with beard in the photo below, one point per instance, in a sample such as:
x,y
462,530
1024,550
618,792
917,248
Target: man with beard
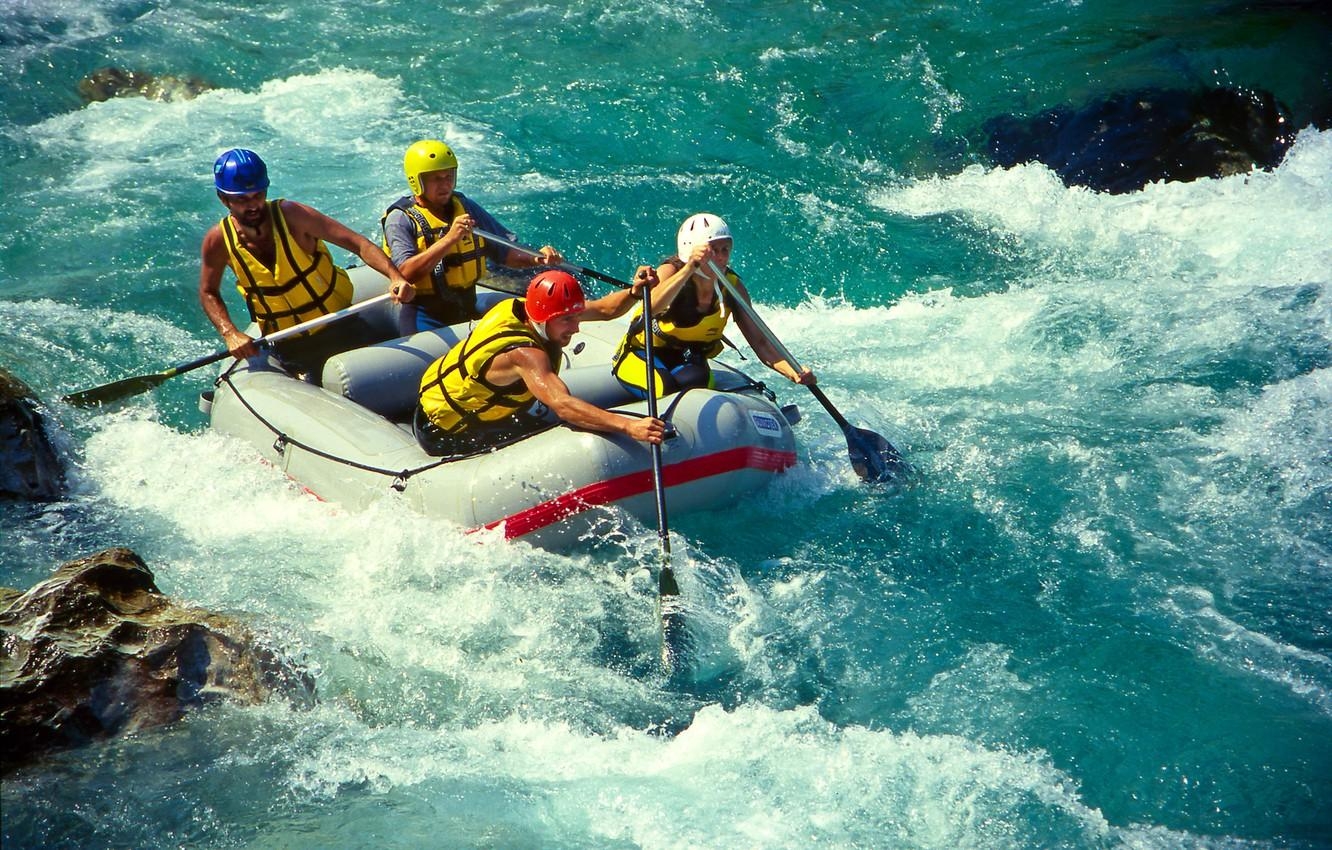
x,y
283,268
477,395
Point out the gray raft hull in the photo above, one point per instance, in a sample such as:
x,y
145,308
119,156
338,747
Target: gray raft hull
x,y
347,442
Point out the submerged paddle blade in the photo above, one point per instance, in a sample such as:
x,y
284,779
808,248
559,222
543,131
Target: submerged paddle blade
x,y
108,393
874,458
670,609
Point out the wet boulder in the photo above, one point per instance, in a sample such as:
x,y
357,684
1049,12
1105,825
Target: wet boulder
x,y
106,83
97,650
31,466
1123,142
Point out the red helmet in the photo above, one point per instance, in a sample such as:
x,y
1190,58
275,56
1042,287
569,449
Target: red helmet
x,y
553,294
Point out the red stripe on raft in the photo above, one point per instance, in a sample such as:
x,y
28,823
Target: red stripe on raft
x,y
605,492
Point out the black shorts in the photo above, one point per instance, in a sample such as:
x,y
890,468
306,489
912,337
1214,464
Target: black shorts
x,y
473,440
306,353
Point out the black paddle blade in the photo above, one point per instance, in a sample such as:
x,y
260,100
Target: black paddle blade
x,y
115,391
874,458
142,383
670,608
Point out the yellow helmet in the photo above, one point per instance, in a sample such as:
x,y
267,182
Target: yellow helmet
x,y
426,156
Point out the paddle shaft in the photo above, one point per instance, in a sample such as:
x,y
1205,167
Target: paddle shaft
x,y
743,306
568,267
859,442
669,609
133,386
285,333
306,327
658,485
668,591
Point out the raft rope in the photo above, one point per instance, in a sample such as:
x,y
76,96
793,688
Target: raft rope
x,y
401,476
749,383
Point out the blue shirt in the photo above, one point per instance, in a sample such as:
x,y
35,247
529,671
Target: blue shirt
x,y
400,232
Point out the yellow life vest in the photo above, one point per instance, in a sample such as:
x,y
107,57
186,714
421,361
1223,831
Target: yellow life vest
x,y
297,289
461,267
455,394
682,328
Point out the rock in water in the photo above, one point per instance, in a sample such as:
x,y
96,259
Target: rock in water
x,y
106,83
30,465
97,650
1122,143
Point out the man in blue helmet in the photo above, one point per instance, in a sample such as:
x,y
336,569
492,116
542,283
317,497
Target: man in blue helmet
x,y
283,268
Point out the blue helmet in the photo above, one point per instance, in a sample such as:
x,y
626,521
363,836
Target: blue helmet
x,y
240,172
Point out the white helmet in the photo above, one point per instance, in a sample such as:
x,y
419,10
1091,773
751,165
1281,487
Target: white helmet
x,y
699,228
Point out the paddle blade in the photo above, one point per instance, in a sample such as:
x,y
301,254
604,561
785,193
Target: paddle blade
x,y
874,458
670,608
108,393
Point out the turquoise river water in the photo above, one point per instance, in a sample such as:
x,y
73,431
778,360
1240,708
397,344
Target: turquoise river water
x,y
1101,618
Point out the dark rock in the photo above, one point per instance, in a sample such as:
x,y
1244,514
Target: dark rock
x,y
106,83
97,650
30,465
1126,141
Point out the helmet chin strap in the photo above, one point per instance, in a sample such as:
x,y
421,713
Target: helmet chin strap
x,y
540,328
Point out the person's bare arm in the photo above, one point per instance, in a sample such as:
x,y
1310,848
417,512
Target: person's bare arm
x,y
532,365
519,259
670,281
764,348
312,224
213,261
618,303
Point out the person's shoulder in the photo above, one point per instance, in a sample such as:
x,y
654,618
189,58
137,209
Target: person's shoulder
x,y
472,206
400,206
294,213
212,237
290,208
396,216
526,355
213,249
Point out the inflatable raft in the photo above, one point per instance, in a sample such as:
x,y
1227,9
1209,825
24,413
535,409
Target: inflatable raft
x,y
350,439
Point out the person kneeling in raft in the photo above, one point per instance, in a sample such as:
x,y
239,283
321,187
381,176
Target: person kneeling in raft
x,y
283,268
690,312
478,393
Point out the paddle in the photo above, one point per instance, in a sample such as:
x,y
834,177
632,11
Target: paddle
x,y
669,608
872,457
568,267
127,387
